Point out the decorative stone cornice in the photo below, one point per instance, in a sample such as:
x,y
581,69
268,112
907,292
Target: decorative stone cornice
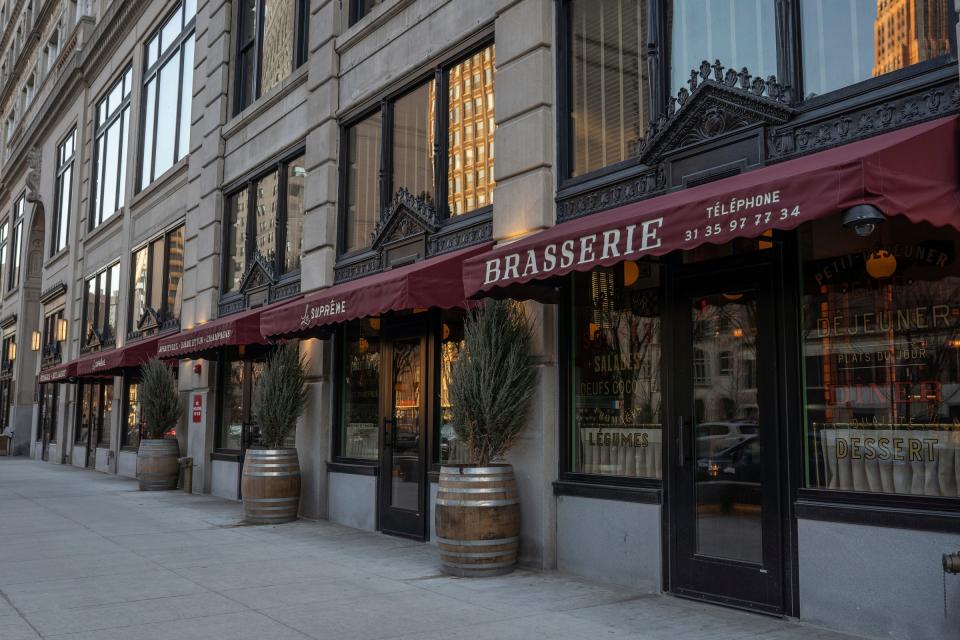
x,y
8,321
52,292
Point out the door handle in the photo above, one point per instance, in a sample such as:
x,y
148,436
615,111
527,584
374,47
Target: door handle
x,y
681,442
389,431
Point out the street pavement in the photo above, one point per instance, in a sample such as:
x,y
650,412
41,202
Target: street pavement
x,y
86,556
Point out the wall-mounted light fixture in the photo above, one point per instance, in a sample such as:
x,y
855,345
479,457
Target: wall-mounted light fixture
x,y
12,350
863,219
61,330
35,341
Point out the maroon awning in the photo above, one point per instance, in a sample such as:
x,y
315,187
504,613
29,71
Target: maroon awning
x,y
436,282
911,172
236,329
59,373
114,361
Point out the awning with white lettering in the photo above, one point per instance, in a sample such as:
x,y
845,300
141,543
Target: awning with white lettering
x,y
59,373
114,361
236,329
435,282
911,172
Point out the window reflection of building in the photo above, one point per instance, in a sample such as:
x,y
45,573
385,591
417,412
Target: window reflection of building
x,y
910,31
453,450
360,412
471,127
881,334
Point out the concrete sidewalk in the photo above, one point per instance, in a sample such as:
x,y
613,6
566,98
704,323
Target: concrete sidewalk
x,y
86,556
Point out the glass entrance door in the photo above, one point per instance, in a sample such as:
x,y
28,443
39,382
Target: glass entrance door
x,y
404,411
724,493
96,407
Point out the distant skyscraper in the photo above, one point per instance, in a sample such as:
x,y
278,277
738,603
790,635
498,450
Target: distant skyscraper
x,y
908,32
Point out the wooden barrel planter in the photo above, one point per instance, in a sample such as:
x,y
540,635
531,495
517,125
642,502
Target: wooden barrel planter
x,y
478,520
158,466
270,486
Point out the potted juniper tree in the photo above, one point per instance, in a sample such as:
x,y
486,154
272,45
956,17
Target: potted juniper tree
x,y
270,484
158,456
492,385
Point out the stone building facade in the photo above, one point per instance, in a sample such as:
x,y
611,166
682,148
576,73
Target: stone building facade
x,y
198,179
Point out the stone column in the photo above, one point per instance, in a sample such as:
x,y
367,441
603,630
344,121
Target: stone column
x,y
319,244
523,204
202,233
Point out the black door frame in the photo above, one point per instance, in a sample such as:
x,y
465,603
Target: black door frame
x,y
782,260
399,522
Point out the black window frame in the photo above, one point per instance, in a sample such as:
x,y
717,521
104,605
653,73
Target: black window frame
x,y
151,73
248,435
789,47
97,218
42,389
299,52
50,350
168,320
14,268
578,483
109,336
439,73
129,380
61,219
7,396
356,11
281,168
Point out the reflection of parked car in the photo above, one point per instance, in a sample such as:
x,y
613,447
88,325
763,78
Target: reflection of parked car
x,y
713,437
740,463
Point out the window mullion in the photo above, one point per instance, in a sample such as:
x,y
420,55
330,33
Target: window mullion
x,y
258,49
280,227
441,142
386,156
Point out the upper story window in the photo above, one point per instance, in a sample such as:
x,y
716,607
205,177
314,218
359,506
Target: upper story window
x,y
156,284
101,296
168,89
4,230
265,217
51,353
271,43
458,122
110,149
16,240
360,8
612,89
847,42
60,230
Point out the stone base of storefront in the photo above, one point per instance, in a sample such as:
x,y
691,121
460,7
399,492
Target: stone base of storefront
x,y
225,479
352,500
610,541
127,464
877,581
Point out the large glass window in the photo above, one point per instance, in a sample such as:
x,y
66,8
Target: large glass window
x,y
616,394
360,400
101,296
470,137
112,124
47,419
6,397
168,87
51,353
739,34
3,247
275,230
272,42
452,450
239,380
16,244
609,101
466,133
156,293
853,40
60,230
130,433
881,352
363,182
96,408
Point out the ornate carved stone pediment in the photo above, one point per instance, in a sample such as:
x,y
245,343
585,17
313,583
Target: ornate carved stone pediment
x,y
260,274
148,321
406,216
716,101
